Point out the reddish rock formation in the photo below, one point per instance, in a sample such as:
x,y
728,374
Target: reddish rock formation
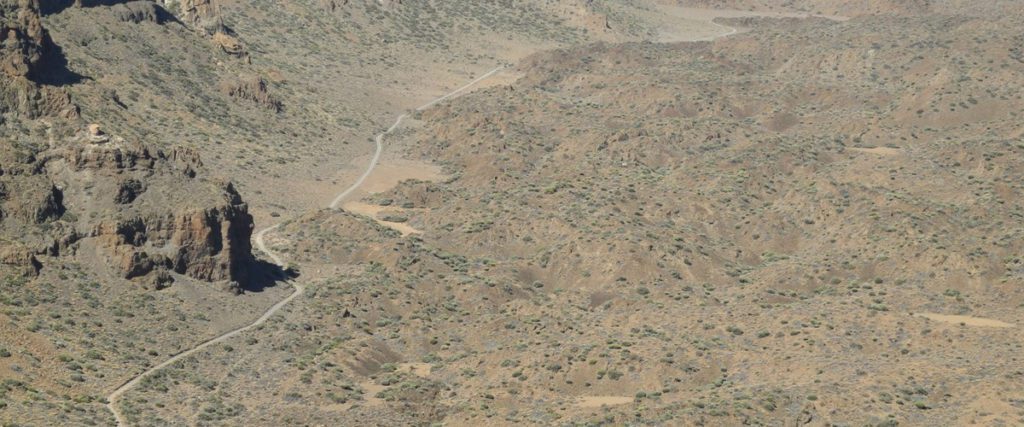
x,y
19,258
209,244
205,235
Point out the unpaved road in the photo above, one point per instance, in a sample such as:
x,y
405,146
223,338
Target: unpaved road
x,y
729,31
965,320
115,396
379,139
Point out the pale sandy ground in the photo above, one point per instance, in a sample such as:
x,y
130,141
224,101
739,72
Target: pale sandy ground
x,y
376,212
680,24
599,401
386,176
882,151
965,320
418,369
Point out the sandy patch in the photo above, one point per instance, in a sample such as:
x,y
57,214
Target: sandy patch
x,y
599,401
390,172
965,320
387,175
679,24
374,212
418,369
881,151
370,390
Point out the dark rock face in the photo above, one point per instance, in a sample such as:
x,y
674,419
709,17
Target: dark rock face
x,y
128,190
140,11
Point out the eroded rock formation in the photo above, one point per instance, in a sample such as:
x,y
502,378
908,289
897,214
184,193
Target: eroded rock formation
x,y
141,212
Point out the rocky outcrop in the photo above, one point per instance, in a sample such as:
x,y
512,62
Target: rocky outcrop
x,y
144,213
203,15
139,11
30,201
23,36
210,244
229,44
252,89
206,237
24,47
128,190
22,260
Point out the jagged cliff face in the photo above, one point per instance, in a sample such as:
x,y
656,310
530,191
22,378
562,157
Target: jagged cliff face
x,y
200,14
160,213
141,211
24,38
24,46
69,191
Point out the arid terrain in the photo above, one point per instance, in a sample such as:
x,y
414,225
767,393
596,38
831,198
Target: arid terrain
x,y
537,212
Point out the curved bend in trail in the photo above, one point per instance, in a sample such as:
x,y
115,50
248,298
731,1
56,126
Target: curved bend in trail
x,y
379,139
113,398
116,395
725,34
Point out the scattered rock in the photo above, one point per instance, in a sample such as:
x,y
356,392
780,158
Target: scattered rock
x,y
253,89
233,287
161,280
128,191
19,258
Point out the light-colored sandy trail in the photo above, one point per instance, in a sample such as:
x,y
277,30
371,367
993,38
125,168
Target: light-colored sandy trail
x,y
729,31
965,320
671,34
115,396
379,139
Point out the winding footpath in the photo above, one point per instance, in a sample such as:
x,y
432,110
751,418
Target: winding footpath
x,y
379,139
724,27
115,396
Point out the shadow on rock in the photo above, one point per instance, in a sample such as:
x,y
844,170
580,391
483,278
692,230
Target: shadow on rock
x,y
48,7
262,274
54,70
